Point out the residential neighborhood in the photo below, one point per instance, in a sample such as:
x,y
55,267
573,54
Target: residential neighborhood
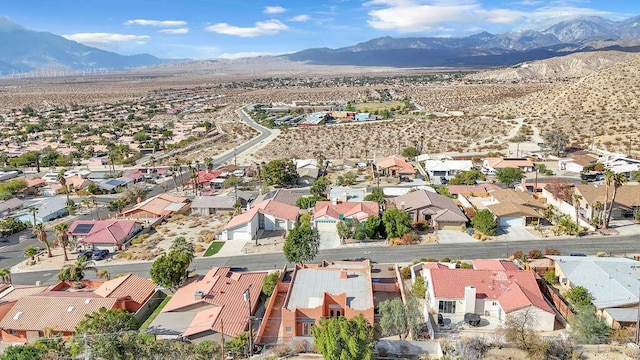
x,y
182,223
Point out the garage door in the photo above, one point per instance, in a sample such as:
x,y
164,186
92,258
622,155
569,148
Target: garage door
x,y
508,221
449,226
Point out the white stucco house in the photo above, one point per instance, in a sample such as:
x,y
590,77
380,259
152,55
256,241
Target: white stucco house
x,y
494,288
267,215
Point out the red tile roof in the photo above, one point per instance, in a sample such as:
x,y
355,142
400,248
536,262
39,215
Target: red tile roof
x,y
267,207
104,231
360,209
131,286
205,177
224,290
506,286
157,204
39,312
482,264
396,163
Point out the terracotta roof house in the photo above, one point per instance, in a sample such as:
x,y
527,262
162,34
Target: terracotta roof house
x,y
33,186
109,235
269,215
514,208
489,291
313,292
493,164
207,303
395,166
613,282
62,306
327,215
627,200
439,211
158,206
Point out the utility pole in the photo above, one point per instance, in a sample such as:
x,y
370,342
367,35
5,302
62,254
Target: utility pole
x,y
235,185
247,298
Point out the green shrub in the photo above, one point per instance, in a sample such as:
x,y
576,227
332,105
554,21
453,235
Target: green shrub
x,y
419,289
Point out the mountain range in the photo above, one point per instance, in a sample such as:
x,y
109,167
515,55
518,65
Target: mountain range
x,y
24,50
484,49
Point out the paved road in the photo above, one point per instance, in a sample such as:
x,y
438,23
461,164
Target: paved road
x,y
11,252
382,254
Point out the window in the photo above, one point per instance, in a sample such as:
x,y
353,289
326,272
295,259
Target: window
x,y
447,307
338,313
13,332
287,329
330,313
495,303
306,329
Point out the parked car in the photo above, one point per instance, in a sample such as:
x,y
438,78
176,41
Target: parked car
x,y
405,179
86,253
100,254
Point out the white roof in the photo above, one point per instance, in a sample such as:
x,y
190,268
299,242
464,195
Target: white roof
x,y
309,286
611,281
446,165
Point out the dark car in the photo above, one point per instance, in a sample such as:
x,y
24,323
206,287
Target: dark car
x,y
86,253
405,179
100,254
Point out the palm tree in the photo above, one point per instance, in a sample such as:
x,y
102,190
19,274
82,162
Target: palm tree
x,y
63,182
62,235
30,252
5,275
41,234
104,274
576,204
208,163
617,179
33,212
597,206
76,271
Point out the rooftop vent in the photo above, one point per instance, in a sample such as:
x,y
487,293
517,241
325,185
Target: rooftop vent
x,y
70,309
198,295
17,315
86,301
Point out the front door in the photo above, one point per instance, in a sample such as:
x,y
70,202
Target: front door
x,y
306,329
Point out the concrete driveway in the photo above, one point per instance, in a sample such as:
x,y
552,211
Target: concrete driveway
x,y
329,240
454,237
514,233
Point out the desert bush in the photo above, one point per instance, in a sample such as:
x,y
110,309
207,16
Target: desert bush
x,y
199,248
281,350
551,251
550,277
410,238
420,226
445,260
405,272
535,254
300,347
474,349
419,289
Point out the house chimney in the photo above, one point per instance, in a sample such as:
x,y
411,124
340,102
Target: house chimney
x,y
334,202
402,205
198,295
343,274
138,200
469,299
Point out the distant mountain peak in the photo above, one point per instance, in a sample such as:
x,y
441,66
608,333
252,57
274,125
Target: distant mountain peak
x,y
7,24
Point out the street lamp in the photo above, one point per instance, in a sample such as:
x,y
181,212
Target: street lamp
x,y
246,295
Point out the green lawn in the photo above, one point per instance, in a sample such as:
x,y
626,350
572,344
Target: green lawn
x,y
214,248
153,315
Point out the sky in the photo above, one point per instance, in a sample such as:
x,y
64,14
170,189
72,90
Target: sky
x,y
208,29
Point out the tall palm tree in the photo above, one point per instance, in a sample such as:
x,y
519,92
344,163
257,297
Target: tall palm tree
x,y
63,182
597,206
76,271
41,234
33,211
208,163
617,179
61,231
608,179
576,204
5,275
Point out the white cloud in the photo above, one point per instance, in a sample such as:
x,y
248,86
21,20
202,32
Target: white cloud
x,y
410,16
500,16
261,28
300,18
249,54
105,39
433,15
175,31
158,23
274,10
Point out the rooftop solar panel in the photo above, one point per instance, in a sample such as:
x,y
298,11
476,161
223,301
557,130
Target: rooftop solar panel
x,y
83,228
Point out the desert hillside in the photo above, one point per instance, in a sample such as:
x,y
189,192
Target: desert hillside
x,y
567,67
600,108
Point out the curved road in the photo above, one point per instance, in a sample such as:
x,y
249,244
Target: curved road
x,y
382,254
